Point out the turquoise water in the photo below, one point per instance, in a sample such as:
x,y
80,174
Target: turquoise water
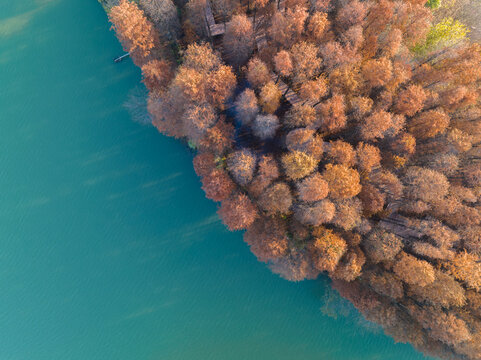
x,y
108,248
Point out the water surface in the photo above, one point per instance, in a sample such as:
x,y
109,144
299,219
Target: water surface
x,y
108,248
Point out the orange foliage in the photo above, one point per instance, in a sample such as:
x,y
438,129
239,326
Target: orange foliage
x,y
270,97
217,185
410,100
313,188
298,164
343,181
376,144
204,163
238,212
135,32
428,124
157,74
267,239
257,73
318,213
380,245
414,271
241,164
341,152
327,249
276,199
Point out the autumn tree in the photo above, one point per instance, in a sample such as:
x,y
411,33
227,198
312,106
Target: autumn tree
x,y
238,212
414,271
318,25
350,266
327,249
376,125
377,72
202,78
217,185
446,328
344,182
204,163
443,291
157,74
372,199
404,144
313,188
298,164
368,156
287,27
364,165
410,100
283,63
466,267
313,90
239,39
301,115
276,199
318,213
267,172
333,116
163,13
135,32
387,284
341,152
335,55
265,126
306,141
167,109
381,245
267,239
425,184
241,164
246,106
217,138
348,214
388,183
392,43
257,73
270,97
428,124
295,266
305,60
197,119
360,106
353,13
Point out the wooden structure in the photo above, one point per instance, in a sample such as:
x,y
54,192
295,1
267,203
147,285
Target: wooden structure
x,y
120,58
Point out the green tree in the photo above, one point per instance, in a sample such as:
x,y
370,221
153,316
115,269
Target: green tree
x,y
444,33
433,4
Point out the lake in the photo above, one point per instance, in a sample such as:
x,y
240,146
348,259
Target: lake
x,y
108,247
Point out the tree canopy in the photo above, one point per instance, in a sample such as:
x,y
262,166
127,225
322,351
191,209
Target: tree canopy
x,y
343,136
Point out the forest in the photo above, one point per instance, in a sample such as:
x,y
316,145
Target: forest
x,y
342,136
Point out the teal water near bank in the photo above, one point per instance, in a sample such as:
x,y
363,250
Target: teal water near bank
x,y
108,248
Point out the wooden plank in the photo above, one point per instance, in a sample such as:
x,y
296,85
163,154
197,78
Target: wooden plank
x,y
120,58
217,29
209,16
